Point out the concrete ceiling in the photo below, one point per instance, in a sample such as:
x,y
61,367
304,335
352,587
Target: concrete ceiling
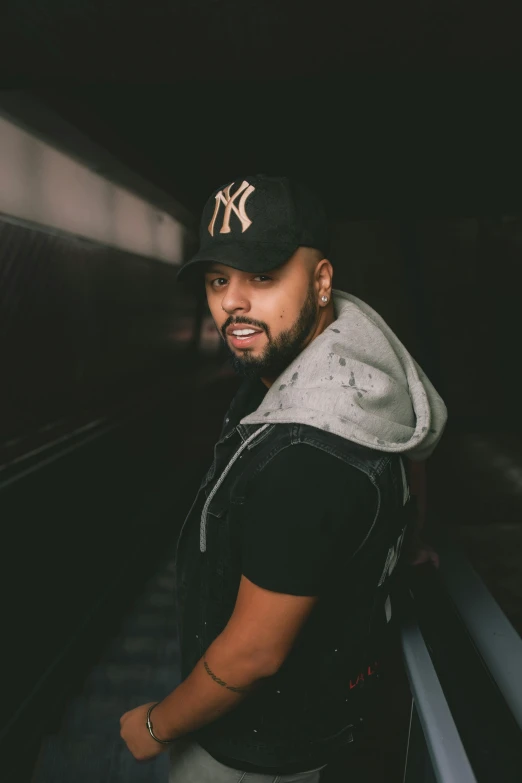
x,y
115,40
385,108
371,147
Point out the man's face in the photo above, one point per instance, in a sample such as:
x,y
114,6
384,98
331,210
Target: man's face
x,y
281,306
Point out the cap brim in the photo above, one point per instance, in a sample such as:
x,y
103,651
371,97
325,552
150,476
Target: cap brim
x,y
256,257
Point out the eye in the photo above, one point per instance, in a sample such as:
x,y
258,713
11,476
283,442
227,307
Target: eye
x,y
216,280
265,276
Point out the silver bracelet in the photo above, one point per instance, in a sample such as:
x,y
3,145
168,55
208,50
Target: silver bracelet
x,y
151,730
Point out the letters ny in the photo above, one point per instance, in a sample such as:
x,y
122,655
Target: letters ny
x,y
224,197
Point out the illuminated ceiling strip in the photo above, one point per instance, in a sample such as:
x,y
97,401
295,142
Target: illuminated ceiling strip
x,y
42,185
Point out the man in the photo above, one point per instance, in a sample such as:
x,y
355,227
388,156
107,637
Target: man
x,y
286,562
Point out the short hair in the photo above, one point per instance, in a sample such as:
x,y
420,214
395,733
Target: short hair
x,y
312,257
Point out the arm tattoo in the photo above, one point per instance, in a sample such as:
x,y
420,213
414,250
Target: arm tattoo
x,y
245,689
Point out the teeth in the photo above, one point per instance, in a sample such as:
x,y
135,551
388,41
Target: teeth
x,y
241,332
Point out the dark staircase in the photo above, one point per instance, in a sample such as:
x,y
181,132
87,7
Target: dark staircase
x,y
140,664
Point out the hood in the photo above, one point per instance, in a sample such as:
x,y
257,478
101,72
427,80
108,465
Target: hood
x,y
357,380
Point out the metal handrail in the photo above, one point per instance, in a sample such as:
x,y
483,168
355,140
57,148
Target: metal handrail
x,y
493,635
449,759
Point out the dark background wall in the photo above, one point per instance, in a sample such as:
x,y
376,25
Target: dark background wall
x,y
83,327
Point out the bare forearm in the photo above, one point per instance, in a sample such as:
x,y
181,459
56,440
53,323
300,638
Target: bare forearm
x,y
219,682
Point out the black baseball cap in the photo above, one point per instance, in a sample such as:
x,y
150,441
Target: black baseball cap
x,y
256,224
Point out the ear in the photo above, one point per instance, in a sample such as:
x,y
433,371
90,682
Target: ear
x,y
324,274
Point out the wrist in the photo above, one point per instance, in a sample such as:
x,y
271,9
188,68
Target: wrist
x,y
156,725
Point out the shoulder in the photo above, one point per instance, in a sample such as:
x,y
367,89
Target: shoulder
x,y
305,467
304,505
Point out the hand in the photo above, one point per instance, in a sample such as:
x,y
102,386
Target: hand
x,y
133,725
423,553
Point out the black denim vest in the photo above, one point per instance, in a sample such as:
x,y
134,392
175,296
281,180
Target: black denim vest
x,y
302,715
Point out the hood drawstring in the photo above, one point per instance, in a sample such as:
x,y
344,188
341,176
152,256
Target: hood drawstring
x,y
203,525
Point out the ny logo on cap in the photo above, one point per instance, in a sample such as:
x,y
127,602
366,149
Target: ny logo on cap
x,y
224,197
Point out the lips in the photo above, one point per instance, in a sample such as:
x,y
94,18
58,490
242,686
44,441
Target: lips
x,y
242,342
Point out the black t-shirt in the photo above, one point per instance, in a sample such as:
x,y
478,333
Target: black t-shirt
x,y
305,508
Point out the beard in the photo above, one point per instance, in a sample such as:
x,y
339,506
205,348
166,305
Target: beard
x,y
281,351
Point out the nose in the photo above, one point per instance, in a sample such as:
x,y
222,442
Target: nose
x,y
234,299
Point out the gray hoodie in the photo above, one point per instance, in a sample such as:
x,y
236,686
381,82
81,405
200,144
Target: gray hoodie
x,y
357,380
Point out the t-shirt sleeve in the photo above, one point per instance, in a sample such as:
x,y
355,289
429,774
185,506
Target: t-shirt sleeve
x,y
305,503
